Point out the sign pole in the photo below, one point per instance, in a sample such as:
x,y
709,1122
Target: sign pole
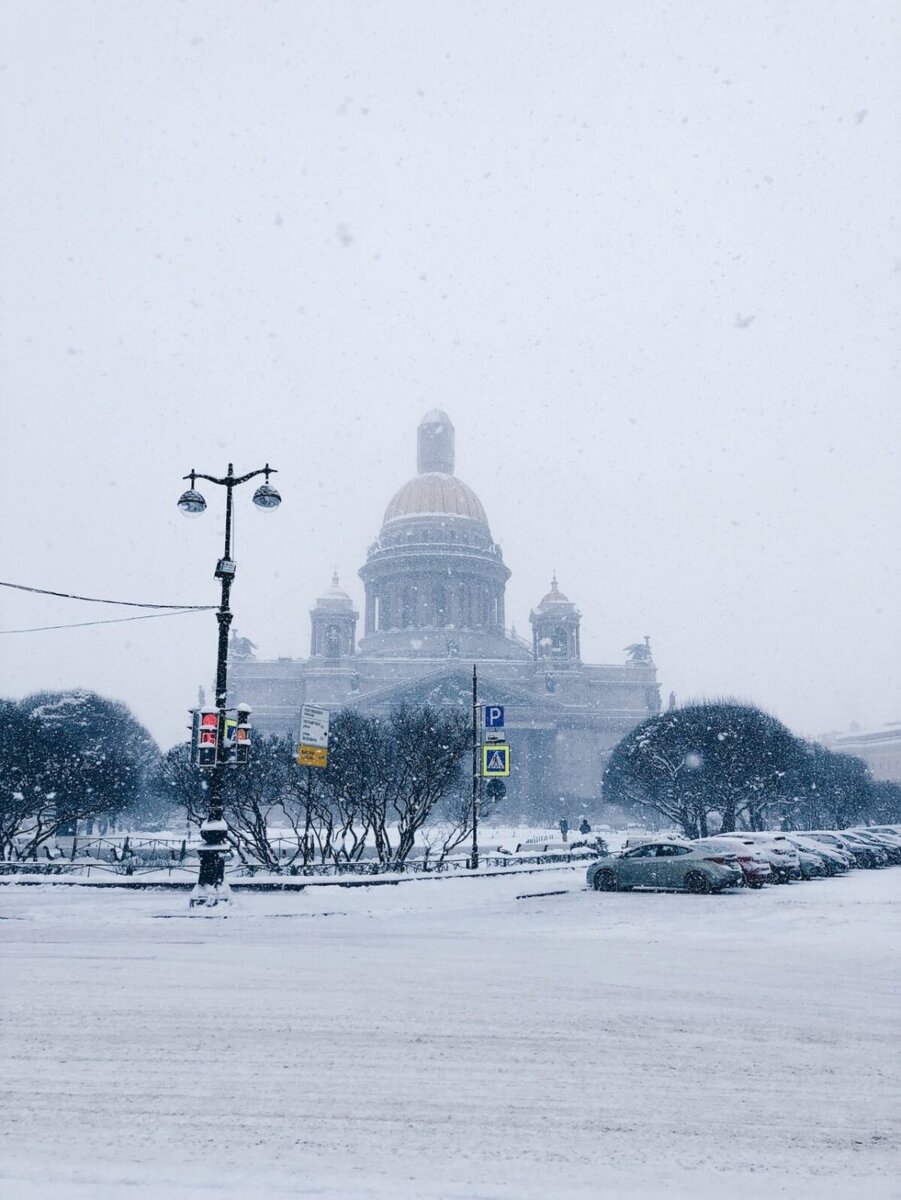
x,y
308,820
474,859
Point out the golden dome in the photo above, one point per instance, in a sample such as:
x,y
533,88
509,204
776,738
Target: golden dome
x,y
438,494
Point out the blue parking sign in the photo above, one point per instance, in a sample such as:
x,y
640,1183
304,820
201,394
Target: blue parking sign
x,y
494,716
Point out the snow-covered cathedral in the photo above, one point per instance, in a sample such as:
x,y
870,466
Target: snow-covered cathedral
x,y
434,584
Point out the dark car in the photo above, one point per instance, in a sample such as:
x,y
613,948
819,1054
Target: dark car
x,y
864,855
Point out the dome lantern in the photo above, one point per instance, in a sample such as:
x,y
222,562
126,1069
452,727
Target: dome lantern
x,y
435,444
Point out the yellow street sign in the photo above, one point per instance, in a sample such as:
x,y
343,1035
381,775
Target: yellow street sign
x,y
312,756
495,761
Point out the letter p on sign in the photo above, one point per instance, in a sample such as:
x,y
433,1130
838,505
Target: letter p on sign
x,y
494,716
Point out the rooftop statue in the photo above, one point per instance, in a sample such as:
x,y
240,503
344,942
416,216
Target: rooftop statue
x,y
639,653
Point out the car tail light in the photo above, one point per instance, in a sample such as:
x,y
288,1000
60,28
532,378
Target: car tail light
x,y
720,858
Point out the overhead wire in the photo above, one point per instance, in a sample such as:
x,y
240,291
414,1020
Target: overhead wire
x,y
171,610
20,587
112,621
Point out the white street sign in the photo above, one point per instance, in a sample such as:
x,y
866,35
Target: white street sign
x,y
314,726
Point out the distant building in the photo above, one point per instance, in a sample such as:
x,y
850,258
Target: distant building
x,y
879,748
434,584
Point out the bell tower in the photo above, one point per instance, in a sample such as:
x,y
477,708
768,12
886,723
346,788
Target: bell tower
x,y
555,629
333,624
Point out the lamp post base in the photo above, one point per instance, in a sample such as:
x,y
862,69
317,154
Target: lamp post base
x,y
211,888
206,895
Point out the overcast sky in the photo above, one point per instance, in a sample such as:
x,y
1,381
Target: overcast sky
x,y
646,255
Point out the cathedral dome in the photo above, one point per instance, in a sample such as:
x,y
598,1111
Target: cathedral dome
x,y
436,491
434,578
435,494
554,596
335,597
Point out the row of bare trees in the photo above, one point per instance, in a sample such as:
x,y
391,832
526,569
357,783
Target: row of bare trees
x,y
390,782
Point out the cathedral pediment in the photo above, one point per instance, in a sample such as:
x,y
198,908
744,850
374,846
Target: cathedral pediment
x,y
453,686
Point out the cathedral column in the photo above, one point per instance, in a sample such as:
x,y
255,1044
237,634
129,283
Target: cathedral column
x,y
453,607
423,607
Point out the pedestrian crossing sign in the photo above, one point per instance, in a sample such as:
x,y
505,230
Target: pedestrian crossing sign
x,y
495,761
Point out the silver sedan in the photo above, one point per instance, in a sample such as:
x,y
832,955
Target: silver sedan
x,y
665,865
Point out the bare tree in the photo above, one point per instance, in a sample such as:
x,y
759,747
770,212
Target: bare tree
x,y
384,781
253,796
333,811
427,747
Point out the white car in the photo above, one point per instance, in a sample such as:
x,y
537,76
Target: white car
x,y
776,849
756,868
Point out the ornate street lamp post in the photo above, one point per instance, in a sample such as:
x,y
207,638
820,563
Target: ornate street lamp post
x,y
211,888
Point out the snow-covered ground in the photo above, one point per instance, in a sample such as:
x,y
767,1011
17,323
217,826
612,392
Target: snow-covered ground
x,y
453,1040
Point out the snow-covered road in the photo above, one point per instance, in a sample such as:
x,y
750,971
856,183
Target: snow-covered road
x,y
452,1040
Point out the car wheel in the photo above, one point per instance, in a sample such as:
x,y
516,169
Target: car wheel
x,y
755,883
606,881
697,882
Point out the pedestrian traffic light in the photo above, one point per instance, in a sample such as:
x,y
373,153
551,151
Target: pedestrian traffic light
x,y
242,735
206,736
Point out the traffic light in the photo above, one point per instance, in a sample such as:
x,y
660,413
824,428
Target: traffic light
x,y
242,735
218,736
205,738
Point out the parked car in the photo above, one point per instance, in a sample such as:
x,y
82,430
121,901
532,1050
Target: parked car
x,y
864,855
776,849
812,865
666,864
887,833
755,868
878,852
835,861
891,845
641,839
